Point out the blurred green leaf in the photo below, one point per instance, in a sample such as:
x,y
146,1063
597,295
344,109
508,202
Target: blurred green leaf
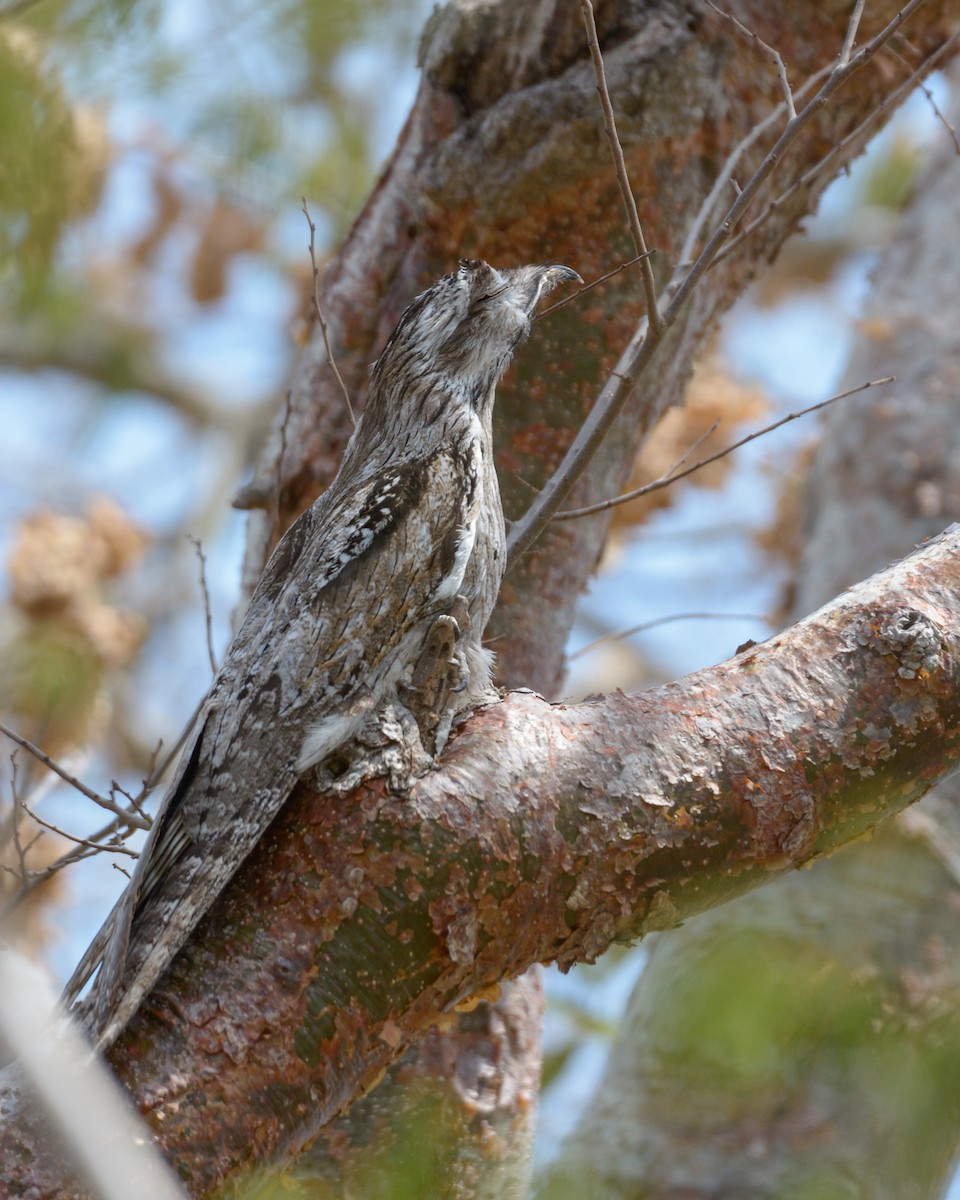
x,y
42,184
892,180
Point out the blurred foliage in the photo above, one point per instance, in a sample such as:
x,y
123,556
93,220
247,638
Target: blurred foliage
x,y
235,109
62,641
50,677
48,176
414,1153
893,178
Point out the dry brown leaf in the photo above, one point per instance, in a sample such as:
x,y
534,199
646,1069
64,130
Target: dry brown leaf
x,y
712,394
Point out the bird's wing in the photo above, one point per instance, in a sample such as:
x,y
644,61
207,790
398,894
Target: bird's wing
x,y
347,592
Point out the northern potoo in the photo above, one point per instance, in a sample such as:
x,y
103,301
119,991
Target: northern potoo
x,y
397,564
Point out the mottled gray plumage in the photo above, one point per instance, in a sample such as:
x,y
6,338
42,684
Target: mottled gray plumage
x,y
382,572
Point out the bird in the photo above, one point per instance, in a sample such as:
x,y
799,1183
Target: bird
x,y
379,590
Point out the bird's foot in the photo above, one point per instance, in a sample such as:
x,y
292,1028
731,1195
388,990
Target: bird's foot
x,y
440,674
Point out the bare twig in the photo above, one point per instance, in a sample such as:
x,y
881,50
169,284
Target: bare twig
x,y
159,769
621,634
116,847
131,818
36,878
851,37
15,824
672,475
950,128
646,340
730,165
856,136
149,782
320,317
626,192
937,111
769,51
588,287
205,592
173,753
105,840
135,801
691,449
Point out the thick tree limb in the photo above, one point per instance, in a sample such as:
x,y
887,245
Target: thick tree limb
x,y
548,833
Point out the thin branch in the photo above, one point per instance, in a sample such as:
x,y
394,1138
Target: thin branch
x,y
621,634
149,783
588,287
205,592
108,848
851,37
646,340
950,128
733,158
791,131
15,824
671,477
769,51
174,751
937,112
36,878
319,311
858,135
626,192
130,818
134,801
160,769
691,449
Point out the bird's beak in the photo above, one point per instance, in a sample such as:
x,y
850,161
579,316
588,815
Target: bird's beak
x,y
553,276
545,280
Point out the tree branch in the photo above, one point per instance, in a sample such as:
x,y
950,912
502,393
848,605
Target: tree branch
x,y
673,475
548,833
620,165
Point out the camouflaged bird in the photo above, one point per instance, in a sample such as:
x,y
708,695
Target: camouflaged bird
x,y
375,601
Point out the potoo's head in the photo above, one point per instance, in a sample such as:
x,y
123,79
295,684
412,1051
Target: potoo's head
x,y
467,325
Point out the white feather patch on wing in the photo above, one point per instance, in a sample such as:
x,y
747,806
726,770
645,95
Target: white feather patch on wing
x,y
326,737
466,539
467,534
